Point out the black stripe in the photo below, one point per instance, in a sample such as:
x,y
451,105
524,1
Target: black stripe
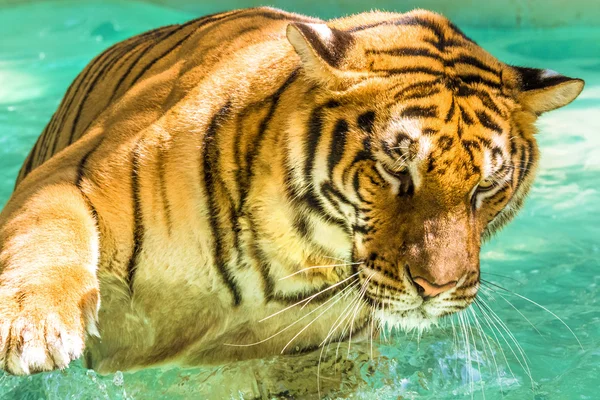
x,y
204,21
415,87
363,230
41,145
66,109
406,52
469,145
404,20
356,186
410,20
138,220
148,39
526,157
386,146
56,128
409,70
431,162
486,120
338,142
471,79
126,54
334,198
302,226
451,111
149,45
485,141
100,74
473,62
531,149
253,153
308,199
445,142
330,188
244,181
531,78
272,14
420,112
162,185
209,159
460,33
149,65
264,265
465,117
156,37
362,155
81,170
314,130
485,98
430,91
366,121
241,172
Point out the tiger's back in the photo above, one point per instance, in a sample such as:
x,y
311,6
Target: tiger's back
x,y
115,71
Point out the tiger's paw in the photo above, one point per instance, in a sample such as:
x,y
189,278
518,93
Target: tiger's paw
x,y
38,333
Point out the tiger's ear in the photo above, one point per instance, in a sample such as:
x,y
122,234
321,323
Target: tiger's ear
x,y
323,52
545,90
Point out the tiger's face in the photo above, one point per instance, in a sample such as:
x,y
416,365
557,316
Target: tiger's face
x,y
430,149
442,172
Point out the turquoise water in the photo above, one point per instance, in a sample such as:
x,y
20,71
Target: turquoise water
x,y
550,254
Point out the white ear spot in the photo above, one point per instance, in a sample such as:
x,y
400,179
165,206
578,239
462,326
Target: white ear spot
x,y
323,31
548,73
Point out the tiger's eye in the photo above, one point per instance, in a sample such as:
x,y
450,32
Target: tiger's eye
x,y
486,184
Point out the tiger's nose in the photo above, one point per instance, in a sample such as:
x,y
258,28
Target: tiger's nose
x,y
427,289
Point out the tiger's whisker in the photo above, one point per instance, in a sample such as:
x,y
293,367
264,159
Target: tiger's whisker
x,y
493,329
298,320
519,312
467,349
543,308
361,296
399,147
335,324
503,276
308,299
478,356
317,267
310,323
346,316
522,361
485,340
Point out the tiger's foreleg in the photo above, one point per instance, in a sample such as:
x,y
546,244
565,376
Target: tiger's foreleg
x,y
49,293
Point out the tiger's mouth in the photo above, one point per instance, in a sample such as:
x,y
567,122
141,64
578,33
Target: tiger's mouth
x,y
397,303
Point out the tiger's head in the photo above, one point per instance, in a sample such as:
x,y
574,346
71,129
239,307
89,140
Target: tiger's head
x,y
423,144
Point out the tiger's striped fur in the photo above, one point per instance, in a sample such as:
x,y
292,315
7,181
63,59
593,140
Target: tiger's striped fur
x,y
201,178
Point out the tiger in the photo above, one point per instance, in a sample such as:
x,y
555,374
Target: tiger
x,y
258,182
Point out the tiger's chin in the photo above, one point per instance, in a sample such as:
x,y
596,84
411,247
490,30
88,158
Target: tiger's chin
x,y
417,319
